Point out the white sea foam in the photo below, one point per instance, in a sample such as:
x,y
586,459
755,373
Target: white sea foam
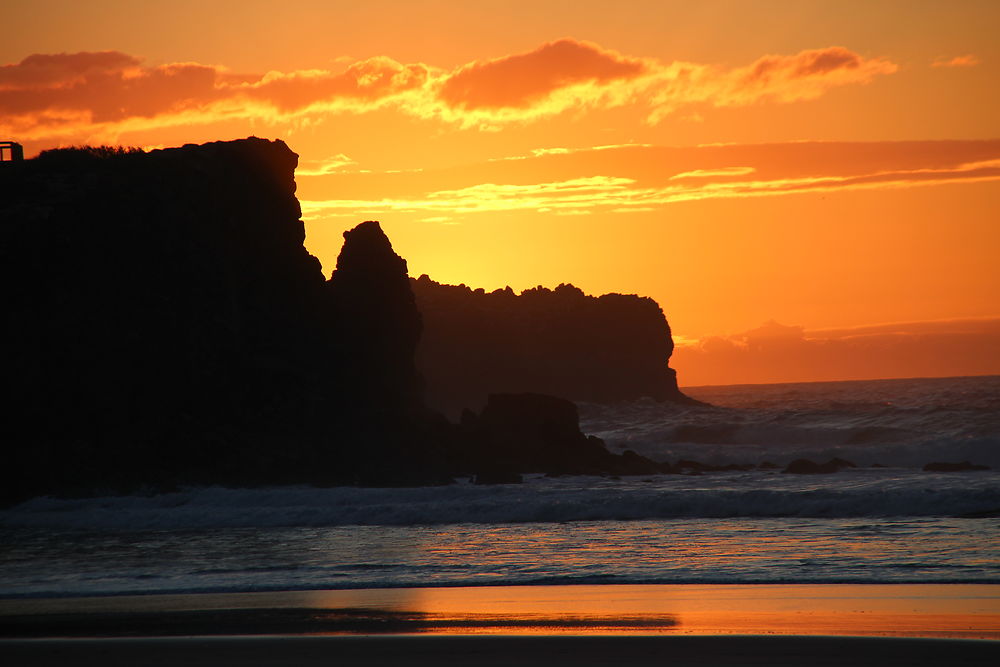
x,y
903,423
896,524
853,493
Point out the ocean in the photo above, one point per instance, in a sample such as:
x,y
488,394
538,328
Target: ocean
x,y
885,521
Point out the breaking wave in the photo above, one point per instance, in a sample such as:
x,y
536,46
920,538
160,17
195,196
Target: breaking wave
x,y
849,494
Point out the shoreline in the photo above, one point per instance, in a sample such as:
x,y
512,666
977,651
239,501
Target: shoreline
x,y
540,651
945,611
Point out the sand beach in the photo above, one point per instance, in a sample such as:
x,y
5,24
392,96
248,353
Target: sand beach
x,y
525,625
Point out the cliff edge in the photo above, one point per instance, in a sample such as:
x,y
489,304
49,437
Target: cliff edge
x,y
561,342
163,324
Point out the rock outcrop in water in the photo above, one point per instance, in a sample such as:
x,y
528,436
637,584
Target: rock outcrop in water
x,y
164,325
537,433
560,342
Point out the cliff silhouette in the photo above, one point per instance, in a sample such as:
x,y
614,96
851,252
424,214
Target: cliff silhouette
x,y
164,325
561,342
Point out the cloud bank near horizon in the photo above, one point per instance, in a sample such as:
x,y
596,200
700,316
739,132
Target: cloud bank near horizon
x,y
102,94
775,352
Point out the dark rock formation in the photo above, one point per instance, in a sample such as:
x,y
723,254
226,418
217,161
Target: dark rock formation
x,y
807,467
163,324
559,342
377,316
945,466
537,433
497,475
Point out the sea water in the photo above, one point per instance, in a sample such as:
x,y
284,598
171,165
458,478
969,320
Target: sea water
x,y
884,521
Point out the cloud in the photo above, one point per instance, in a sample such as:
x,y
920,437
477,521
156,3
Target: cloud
x,y
779,353
53,96
364,84
642,178
712,173
523,79
330,165
576,195
803,76
104,87
968,60
569,74
780,79
62,69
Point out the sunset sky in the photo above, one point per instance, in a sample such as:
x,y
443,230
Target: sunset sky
x,y
810,190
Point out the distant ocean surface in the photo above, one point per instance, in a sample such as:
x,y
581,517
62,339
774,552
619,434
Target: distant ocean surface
x,y
889,524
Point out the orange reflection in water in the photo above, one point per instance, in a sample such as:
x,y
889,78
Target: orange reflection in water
x,y
902,610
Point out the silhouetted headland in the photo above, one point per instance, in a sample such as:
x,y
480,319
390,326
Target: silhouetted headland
x,y
561,342
164,325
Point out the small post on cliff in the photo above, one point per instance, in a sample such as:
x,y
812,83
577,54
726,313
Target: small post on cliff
x,y
11,151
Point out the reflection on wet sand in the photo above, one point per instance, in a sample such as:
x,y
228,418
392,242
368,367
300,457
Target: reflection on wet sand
x,y
932,610
826,609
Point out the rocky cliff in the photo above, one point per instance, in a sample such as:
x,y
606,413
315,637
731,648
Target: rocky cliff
x,y
560,342
164,324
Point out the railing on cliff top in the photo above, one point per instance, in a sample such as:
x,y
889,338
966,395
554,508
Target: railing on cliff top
x,y
11,151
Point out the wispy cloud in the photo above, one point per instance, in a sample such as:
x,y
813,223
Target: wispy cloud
x,y
968,60
713,173
330,165
639,179
576,194
103,93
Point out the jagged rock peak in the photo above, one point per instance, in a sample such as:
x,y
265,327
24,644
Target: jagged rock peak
x,y
368,252
371,291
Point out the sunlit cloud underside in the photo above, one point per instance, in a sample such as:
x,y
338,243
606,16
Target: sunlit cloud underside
x,y
108,93
938,163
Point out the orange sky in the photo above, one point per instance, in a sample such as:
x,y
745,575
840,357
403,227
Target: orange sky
x,y
830,166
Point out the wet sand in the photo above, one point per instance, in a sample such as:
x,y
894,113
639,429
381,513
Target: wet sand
x,y
543,651
903,610
831,624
